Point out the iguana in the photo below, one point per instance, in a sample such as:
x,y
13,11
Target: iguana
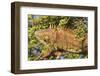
x,y
60,39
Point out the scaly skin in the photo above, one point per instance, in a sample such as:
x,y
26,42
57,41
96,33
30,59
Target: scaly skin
x,y
60,39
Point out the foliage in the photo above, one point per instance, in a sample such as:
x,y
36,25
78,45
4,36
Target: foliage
x,y
63,22
72,56
80,28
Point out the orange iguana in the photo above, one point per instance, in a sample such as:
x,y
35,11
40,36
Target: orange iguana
x,y
60,39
